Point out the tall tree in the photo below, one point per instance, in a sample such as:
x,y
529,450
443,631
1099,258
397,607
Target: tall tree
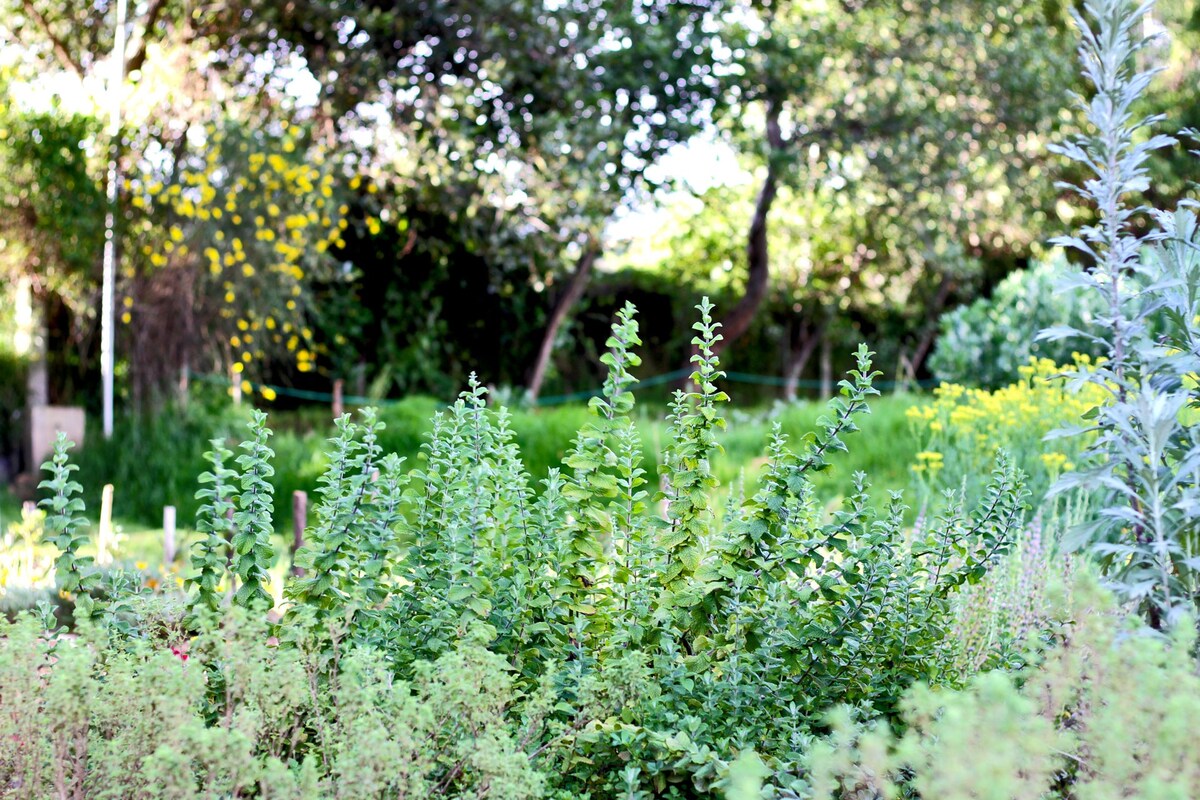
x,y
554,111
926,112
213,172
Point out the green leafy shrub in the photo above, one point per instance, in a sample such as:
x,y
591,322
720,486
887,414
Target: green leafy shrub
x,y
985,344
617,638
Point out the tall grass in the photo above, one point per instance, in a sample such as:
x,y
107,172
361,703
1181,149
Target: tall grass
x,y
153,461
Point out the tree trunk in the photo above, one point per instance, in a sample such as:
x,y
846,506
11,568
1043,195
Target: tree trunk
x,y
799,357
925,344
30,342
826,367
758,261
562,309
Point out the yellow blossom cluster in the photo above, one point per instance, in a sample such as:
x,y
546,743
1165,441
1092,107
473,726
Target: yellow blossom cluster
x,y
930,460
962,428
255,215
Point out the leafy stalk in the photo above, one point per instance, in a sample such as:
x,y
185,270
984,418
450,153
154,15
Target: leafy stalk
x,y
252,548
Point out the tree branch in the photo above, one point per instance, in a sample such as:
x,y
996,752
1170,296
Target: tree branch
x,y
135,61
60,48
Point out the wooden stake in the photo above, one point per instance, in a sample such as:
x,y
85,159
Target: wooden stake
x,y
338,405
168,535
104,540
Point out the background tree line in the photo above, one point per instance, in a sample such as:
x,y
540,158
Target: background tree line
x,y
399,193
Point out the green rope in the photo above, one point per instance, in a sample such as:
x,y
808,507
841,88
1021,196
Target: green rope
x,y
557,399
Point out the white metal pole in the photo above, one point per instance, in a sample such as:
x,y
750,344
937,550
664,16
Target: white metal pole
x,y
115,90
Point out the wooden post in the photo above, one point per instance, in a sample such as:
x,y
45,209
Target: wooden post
x,y
104,540
168,535
184,375
338,405
299,523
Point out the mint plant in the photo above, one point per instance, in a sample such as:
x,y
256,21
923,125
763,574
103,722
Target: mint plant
x,y
583,640
210,555
252,552
64,527
695,418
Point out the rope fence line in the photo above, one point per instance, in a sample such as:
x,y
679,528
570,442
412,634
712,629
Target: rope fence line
x,y
556,399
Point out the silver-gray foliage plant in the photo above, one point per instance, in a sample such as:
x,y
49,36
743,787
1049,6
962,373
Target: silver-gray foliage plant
x,y
1144,460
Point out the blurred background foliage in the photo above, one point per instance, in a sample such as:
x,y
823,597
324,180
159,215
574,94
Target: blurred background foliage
x,y
397,194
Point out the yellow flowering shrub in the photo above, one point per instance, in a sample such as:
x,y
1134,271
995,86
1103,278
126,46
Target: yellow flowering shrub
x,y
962,428
252,217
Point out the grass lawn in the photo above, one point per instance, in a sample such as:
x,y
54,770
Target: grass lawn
x,y
884,449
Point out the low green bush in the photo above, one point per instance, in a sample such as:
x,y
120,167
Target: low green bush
x,y
1110,710
985,344
225,715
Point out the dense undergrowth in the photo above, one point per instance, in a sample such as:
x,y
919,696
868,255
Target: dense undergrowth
x,y
638,627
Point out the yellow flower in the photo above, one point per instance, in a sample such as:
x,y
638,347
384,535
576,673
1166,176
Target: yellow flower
x,y
1054,461
141,565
